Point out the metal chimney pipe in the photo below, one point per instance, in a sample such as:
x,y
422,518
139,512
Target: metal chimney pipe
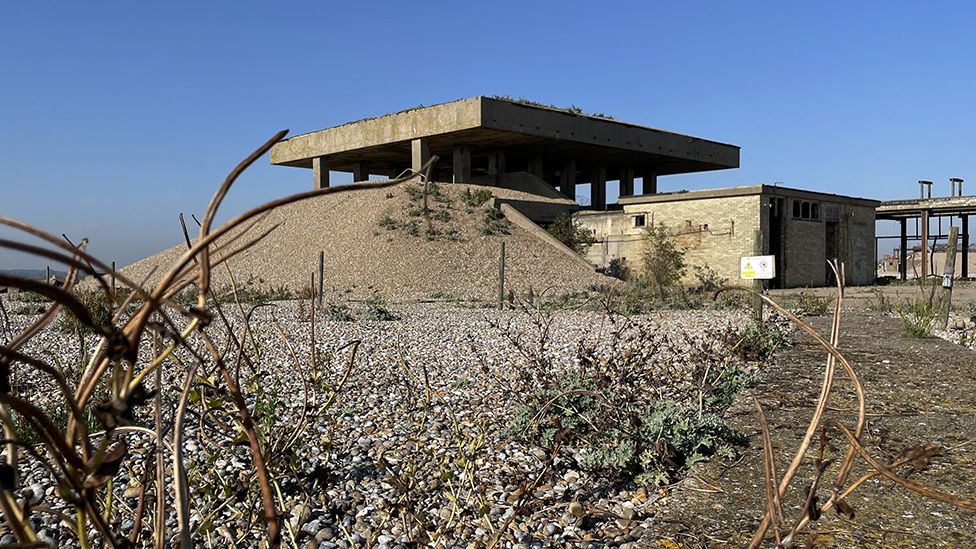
x,y
954,181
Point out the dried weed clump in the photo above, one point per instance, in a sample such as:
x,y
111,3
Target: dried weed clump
x,y
831,459
165,360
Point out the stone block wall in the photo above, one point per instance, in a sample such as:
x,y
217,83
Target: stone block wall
x,y
716,232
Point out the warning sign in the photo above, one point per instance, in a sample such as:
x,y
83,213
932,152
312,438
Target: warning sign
x,y
761,267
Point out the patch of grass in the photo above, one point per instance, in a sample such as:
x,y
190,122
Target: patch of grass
x,y
808,304
918,316
377,310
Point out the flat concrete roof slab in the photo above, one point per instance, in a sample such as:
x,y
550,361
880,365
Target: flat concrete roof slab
x,y
946,205
485,123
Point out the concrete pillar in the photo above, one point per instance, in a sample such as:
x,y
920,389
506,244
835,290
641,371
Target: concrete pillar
x,y
650,183
626,182
535,166
320,172
925,244
903,250
965,243
462,164
360,171
419,154
567,179
598,188
493,162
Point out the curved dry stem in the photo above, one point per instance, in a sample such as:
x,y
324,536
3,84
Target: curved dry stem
x,y
916,487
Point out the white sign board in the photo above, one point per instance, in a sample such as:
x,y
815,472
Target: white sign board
x,y
758,267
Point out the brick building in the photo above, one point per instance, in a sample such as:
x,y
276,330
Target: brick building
x,y
719,226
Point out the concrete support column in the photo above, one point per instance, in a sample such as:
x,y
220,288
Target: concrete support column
x,y
535,165
650,183
626,182
925,244
462,164
320,172
567,179
903,250
493,162
360,171
598,188
965,243
419,154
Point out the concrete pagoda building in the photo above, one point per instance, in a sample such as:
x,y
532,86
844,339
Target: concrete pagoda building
x,y
506,143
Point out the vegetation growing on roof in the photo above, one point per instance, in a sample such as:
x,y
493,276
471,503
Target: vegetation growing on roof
x,y
572,109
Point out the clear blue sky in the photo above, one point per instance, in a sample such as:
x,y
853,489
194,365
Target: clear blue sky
x,y
116,116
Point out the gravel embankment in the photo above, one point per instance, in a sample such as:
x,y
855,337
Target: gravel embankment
x,y
388,448
365,253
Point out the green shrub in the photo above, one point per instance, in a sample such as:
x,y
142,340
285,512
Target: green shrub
x,y
574,235
762,339
620,417
388,223
709,279
663,259
376,309
494,222
336,311
617,268
476,198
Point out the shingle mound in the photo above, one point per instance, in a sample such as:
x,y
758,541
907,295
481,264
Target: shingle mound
x,y
379,241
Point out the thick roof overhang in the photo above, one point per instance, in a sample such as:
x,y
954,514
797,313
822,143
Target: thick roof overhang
x,y
489,124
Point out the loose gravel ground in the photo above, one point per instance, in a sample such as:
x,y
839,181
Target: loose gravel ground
x,y
387,434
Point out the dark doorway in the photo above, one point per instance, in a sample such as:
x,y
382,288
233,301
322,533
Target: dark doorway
x,y
776,213
832,241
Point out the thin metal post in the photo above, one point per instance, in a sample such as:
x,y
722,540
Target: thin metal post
x,y
321,276
113,278
47,277
501,276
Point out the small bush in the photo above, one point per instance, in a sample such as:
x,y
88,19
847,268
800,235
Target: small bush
x,y
476,198
336,311
709,279
388,223
376,309
617,268
574,235
494,222
663,259
762,339
622,412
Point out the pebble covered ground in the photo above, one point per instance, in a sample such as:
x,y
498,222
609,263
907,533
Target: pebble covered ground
x,y
413,447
